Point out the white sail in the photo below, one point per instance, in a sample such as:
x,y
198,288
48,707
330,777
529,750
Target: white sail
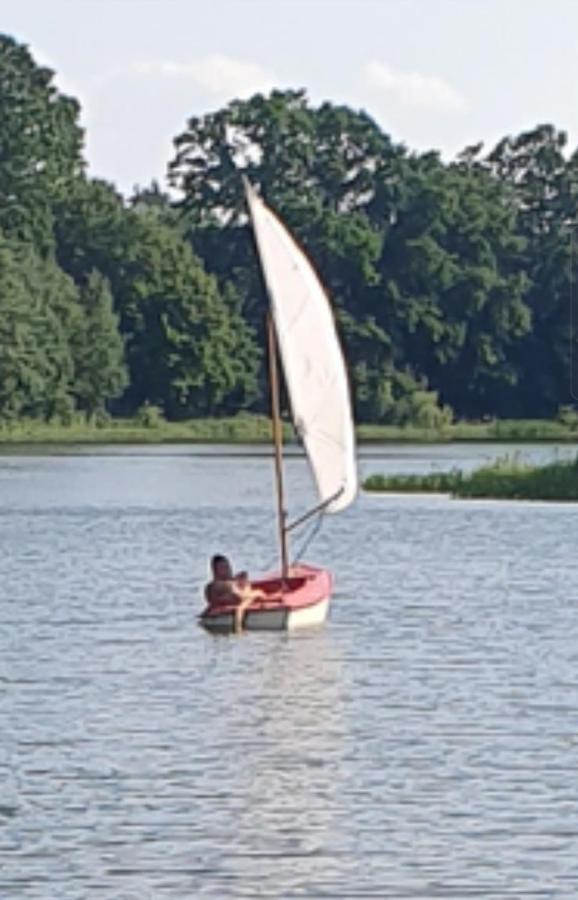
x,y
312,359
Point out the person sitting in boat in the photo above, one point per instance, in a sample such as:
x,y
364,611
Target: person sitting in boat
x,y
226,588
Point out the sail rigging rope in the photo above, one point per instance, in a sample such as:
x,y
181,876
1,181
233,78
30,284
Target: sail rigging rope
x,y
314,531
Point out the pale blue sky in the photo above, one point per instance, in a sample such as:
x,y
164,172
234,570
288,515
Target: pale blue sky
x,y
434,73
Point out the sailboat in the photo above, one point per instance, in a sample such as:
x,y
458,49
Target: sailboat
x,y
301,330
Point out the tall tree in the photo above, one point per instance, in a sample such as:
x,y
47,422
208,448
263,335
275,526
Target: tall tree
x,y
543,187
331,173
454,284
187,347
298,155
39,317
40,145
100,372
188,351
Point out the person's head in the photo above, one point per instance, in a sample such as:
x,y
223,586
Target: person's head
x,y
221,568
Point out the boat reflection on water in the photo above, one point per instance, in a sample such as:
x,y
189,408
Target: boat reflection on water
x,y
286,796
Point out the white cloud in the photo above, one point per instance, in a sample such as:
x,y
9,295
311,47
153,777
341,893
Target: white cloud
x,y
220,76
412,88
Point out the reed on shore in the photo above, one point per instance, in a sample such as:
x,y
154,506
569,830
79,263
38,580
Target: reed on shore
x,y
238,429
506,479
150,427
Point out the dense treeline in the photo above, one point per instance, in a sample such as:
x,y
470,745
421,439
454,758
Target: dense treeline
x,y
451,281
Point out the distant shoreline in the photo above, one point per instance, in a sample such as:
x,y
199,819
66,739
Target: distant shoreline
x,y
257,430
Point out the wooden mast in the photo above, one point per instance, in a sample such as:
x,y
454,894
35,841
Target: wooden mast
x,y
278,443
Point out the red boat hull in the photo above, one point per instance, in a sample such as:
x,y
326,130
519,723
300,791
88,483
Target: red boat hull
x,y
305,603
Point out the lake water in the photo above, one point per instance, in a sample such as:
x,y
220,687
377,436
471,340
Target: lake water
x,y
424,744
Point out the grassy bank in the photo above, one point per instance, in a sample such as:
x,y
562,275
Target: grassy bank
x,y
506,479
240,429
257,429
504,431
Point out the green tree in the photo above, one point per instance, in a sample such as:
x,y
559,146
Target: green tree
x,y
39,315
543,186
454,284
92,231
297,155
153,201
188,349
100,373
40,145
18,379
332,175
